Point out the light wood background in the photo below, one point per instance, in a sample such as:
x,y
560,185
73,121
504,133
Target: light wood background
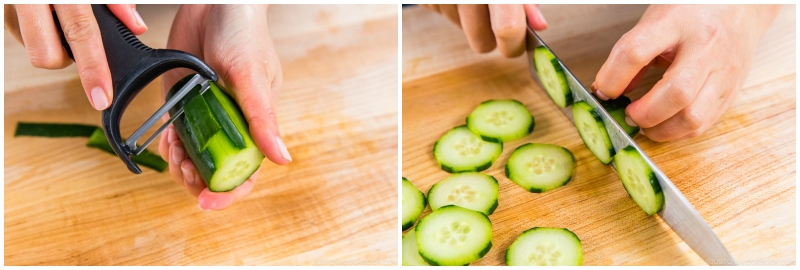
x,y
740,175
336,203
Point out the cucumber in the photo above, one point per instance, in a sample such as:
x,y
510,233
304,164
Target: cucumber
x,y
411,255
413,204
593,132
501,120
216,137
454,235
471,190
552,76
639,180
543,246
460,150
616,108
540,167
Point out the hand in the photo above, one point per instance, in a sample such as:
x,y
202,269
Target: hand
x,y
34,27
707,51
234,40
490,26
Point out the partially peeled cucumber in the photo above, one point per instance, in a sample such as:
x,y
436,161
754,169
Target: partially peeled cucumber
x,y
216,137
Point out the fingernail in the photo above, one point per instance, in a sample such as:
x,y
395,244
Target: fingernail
x,y
139,20
630,122
284,151
99,99
594,87
541,16
641,130
188,177
205,206
600,95
177,155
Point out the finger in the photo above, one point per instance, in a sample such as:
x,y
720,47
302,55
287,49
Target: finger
x,y
40,37
191,179
249,71
698,116
674,92
208,200
450,12
176,156
535,17
167,137
12,22
83,35
508,26
630,54
637,79
432,7
128,15
477,27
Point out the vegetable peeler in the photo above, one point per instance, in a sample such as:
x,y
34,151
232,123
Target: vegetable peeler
x,y
133,65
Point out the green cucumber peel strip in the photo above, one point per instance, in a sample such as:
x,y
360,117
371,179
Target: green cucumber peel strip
x,y
146,158
54,130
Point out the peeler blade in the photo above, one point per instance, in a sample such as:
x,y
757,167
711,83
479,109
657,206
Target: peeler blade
x,y
197,79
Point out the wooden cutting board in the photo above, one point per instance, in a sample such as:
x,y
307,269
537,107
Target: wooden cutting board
x,y
739,175
336,203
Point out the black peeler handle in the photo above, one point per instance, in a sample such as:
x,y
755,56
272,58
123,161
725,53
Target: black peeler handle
x,y
133,65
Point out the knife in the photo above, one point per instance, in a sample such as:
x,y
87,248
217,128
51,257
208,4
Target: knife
x,y
677,212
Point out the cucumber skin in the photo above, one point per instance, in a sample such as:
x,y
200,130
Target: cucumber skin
x,y
203,161
410,224
480,254
537,190
491,209
496,140
478,169
616,108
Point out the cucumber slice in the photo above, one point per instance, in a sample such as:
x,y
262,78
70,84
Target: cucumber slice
x,y
220,160
471,190
411,255
413,204
639,180
593,131
454,236
544,247
501,120
616,108
460,150
552,76
540,167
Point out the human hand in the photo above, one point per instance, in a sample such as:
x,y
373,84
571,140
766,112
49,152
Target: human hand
x,y
34,27
490,26
234,40
707,51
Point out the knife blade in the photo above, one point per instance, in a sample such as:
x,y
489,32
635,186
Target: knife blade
x,y
678,212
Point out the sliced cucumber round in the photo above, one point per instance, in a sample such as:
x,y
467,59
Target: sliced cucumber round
x,y
540,167
639,180
411,255
542,246
471,190
413,204
616,108
454,235
501,120
460,150
552,76
593,131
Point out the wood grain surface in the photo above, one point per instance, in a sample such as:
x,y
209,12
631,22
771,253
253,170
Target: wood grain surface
x,y
739,175
335,204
